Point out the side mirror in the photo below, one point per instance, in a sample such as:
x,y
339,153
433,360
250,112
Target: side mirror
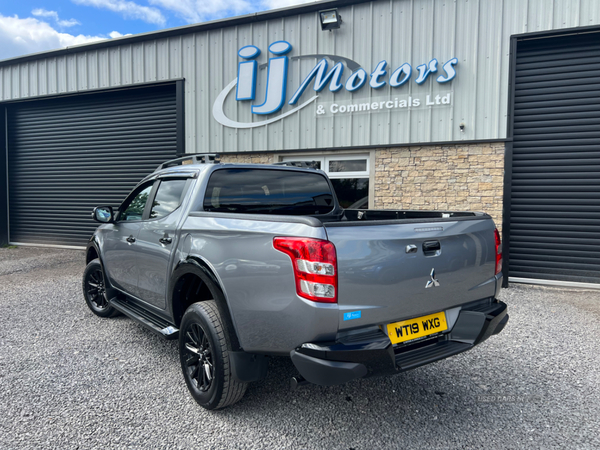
x,y
103,214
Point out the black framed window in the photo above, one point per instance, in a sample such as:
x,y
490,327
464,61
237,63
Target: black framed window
x,y
349,175
168,197
133,207
264,191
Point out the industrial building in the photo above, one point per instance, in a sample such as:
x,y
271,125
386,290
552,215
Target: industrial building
x,y
490,105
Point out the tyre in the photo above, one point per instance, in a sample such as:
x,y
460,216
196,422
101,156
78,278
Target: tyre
x,y
204,357
94,290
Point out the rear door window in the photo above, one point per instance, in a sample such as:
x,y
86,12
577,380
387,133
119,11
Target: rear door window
x,y
168,197
265,191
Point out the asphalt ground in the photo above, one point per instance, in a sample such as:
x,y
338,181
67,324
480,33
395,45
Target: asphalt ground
x,y
71,380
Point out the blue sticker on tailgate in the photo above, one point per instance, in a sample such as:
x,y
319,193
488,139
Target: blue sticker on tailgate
x,y
352,315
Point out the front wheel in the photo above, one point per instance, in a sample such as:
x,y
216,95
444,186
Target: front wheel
x,y
94,290
205,358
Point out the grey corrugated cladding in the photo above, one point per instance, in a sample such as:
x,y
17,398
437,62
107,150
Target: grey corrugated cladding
x,y
477,32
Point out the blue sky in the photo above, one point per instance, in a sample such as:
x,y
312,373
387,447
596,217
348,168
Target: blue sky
x,y
29,26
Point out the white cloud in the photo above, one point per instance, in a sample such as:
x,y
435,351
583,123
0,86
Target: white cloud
x,y
193,11
68,23
45,13
30,35
129,10
275,4
39,12
116,34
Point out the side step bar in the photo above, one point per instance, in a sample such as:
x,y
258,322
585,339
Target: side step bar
x,y
151,321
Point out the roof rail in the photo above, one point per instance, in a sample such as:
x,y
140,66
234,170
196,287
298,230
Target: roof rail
x,y
200,158
302,164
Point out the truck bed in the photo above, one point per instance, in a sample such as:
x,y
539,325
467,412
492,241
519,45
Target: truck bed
x,y
386,260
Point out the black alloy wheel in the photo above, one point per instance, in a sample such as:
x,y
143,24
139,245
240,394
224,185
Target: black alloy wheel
x,y
94,290
204,357
199,364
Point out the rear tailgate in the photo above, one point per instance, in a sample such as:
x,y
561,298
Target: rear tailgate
x,y
381,280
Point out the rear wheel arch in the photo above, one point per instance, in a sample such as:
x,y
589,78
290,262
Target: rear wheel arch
x,y
193,281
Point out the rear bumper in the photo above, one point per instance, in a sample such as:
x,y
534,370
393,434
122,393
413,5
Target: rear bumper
x,y
371,352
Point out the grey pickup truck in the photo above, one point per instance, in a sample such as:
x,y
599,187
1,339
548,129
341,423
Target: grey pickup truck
x,y
240,262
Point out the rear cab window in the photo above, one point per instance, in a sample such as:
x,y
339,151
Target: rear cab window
x,y
268,191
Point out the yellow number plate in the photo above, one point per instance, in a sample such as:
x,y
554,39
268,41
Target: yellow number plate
x,y
407,330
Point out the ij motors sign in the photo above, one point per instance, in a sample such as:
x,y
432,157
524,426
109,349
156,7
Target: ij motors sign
x,y
276,92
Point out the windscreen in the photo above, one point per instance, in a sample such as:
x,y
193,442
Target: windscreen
x,y
263,191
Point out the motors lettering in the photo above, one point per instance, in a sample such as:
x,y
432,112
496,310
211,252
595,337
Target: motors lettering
x,y
414,328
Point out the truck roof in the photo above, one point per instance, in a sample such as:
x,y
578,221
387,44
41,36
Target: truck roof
x,y
202,162
208,159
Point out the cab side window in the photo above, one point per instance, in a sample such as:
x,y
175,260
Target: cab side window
x,y
133,208
168,198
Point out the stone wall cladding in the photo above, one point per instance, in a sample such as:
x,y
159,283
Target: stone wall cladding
x,y
454,177
255,158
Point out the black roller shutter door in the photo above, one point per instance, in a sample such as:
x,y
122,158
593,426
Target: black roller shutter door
x,y
70,154
555,191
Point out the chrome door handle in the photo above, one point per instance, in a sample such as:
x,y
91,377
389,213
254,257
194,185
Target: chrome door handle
x,y
130,239
165,240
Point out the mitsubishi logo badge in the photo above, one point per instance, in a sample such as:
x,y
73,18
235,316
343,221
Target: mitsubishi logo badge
x,y
433,282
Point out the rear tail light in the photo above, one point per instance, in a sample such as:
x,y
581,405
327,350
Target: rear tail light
x,y
498,252
315,267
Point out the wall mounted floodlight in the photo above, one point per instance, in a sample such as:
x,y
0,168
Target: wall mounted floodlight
x,y
330,19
